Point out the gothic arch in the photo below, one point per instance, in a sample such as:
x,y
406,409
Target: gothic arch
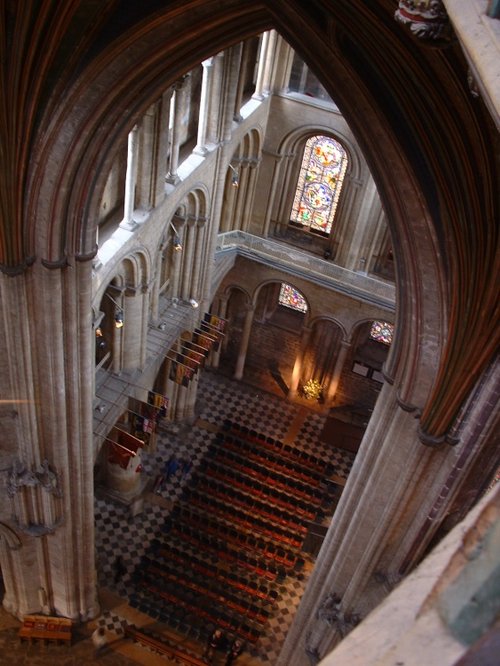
x,y
442,219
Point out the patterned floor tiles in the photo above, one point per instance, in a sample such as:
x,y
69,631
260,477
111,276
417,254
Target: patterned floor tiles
x,y
119,533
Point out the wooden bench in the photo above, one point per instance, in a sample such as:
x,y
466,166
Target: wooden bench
x,y
46,629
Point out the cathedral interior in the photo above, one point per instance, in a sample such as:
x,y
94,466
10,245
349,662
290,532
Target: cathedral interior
x,y
249,289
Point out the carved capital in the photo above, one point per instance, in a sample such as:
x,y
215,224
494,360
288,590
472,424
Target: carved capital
x,y
426,19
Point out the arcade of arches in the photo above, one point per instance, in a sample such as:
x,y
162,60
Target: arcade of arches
x,y
155,199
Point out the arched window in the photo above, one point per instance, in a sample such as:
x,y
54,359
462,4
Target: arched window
x,y
291,298
382,331
320,181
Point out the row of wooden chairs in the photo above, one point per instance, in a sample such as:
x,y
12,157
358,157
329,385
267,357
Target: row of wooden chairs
x,y
280,511
247,519
286,450
290,468
230,535
257,478
226,579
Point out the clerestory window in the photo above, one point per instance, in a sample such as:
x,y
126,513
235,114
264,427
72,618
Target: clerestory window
x,y
321,176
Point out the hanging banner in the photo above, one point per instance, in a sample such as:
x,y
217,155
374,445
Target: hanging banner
x,y
206,338
191,344
159,401
202,339
185,357
180,373
123,447
215,322
191,350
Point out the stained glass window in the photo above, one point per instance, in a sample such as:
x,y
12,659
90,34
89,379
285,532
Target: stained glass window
x,y
320,181
291,298
382,331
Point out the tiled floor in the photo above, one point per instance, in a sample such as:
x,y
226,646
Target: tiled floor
x,y
219,398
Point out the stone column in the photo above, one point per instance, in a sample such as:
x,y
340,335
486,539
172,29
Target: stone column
x,y
222,311
240,196
132,331
249,194
216,109
172,176
48,346
206,89
265,67
179,223
229,77
395,499
345,347
297,367
241,81
272,193
201,225
130,181
188,252
145,185
245,338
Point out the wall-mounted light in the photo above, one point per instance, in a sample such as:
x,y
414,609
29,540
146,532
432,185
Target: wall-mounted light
x,y
177,240
235,177
118,313
119,319
194,304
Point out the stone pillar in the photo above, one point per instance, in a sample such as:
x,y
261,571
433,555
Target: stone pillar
x,y
145,185
188,252
272,194
297,367
337,371
206,89
265,66
132,331
222,311
162,146
245,54
396,497
130,181
201,225
245,338
240,196
215,112
50,482
172,176
179,223
250,186
230,76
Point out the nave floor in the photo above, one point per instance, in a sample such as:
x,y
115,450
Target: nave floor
x,y
219,398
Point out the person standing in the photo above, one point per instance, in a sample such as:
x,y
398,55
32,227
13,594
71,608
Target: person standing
x,y
212,644
234,652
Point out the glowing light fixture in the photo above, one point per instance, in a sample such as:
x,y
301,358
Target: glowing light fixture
x,y
177,240
118,313
235,178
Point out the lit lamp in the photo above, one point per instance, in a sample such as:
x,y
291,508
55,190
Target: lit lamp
x,y
235,178
119,319
118,313
177,240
